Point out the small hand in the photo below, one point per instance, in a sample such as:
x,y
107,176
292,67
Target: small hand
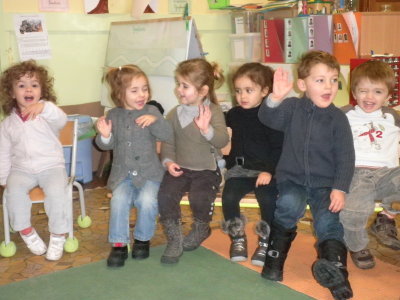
x,y
337,201
174,169
203,119
263,178
282,86
145,120
32,111
104,127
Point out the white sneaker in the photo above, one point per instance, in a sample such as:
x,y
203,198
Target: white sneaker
x,y
34,243
56,247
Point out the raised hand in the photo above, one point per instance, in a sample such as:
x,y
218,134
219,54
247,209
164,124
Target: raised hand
x,y
32,111
104,127
145,120
203,119
282,86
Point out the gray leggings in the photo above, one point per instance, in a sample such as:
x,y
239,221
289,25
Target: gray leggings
x,y
367,186
56,204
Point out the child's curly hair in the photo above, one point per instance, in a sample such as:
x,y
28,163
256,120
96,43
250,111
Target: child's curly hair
x,y
15,72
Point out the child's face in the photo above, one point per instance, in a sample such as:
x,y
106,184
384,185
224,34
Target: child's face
x,y
188,94
321,85
248,93
136,94
26,91
371,96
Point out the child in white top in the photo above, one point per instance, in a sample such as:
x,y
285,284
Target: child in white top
x,y
31,154
376,130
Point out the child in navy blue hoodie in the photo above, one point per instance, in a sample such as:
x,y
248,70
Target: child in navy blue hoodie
x,y
315,168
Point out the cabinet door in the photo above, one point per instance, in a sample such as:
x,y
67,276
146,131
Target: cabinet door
x,y
379,5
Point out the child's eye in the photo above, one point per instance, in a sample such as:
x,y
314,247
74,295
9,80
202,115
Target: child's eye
x,y
320,80
249,91
334,80
379,92
237,91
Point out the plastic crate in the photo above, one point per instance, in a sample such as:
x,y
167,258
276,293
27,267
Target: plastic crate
x,y
246,47
84,171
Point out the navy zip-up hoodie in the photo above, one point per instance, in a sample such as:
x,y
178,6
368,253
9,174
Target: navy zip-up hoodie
x,y
318,148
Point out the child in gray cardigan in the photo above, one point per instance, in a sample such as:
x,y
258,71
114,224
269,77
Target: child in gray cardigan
x,y
131,131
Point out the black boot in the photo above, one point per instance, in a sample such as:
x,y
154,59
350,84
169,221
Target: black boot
x,y
263,231
174,249
140,249
200,231
117,256
279,244
330,269
235,229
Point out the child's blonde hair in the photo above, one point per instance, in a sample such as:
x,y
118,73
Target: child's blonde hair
x,y
119,80
375,71
312,58
258,73
14,73
202,73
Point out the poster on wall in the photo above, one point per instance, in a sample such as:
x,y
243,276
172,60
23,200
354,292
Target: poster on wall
x,y
32,37
96,7
140,7
54,5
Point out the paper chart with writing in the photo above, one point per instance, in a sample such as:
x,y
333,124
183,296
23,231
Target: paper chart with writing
x,y
54,5
176,6
32,37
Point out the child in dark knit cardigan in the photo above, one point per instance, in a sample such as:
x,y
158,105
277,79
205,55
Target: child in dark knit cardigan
x,y
315,168
254,154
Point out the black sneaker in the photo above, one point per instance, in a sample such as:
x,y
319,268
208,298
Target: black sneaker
x,y
117,256
140,249
385,231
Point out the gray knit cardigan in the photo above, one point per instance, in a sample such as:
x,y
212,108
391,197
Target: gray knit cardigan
x,y
134,148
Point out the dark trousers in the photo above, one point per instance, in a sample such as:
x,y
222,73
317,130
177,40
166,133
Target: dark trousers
x,y
237,187
292,203
202,187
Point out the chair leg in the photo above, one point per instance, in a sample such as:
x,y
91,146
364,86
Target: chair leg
x,y
81,198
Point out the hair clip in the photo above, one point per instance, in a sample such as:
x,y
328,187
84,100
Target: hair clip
x,y
120,68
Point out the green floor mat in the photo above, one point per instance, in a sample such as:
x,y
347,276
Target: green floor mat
x,y
200,274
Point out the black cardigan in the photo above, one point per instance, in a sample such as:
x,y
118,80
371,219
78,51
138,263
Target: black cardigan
x,y
259,145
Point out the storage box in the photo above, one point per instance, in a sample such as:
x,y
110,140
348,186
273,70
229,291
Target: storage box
x,y
245,21
84,151
246,47
217,4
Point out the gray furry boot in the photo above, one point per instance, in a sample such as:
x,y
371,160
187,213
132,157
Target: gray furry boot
x,y
263,230
200,231
235,229
174,249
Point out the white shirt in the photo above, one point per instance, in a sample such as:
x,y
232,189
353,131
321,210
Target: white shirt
x,y
31,146
376,137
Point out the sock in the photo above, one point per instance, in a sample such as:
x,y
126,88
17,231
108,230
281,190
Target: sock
x,y
119,244
27,231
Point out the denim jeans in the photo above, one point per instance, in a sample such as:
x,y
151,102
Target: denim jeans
x,y
367,186
56,203
291,206
125,196
237,187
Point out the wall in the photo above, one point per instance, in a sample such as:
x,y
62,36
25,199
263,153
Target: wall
x,y
79,42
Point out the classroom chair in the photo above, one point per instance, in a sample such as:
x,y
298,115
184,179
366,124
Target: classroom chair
x,y
68,138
